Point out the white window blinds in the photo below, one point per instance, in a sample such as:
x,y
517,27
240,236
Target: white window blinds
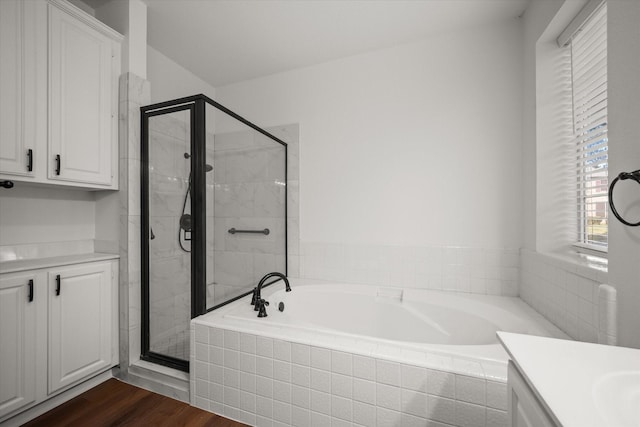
x,y
589,81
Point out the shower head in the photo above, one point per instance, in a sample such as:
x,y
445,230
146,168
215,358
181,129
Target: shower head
x,y
207,167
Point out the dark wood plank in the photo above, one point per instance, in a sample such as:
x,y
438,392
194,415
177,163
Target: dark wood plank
x,y
115,403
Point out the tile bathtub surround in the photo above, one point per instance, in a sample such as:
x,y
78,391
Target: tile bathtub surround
x,y
567,294
475,270
269,382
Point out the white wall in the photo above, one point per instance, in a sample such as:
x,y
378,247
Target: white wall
x,y
624,155
43,215
170,80
414,145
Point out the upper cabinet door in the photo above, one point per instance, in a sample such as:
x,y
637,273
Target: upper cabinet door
x,y
82,95
23,71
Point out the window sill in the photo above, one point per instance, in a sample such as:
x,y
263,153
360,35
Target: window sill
x,y
592,267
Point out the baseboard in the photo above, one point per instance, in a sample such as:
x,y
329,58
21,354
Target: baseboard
x,y
55,401
158,379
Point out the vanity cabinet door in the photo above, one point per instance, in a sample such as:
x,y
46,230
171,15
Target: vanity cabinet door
x,y
23,71
82,100
80,322
524,408
17,341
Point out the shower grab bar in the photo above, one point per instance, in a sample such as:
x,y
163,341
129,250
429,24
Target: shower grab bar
x,y
265,231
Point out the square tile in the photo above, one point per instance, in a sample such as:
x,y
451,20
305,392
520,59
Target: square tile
x,y
248,343
441,383
364,367
341,363
264,346
264,367
301,375
282,350
364,391
264,387
321,402
301,396
321,380
470,415
248,363
341,385
282,371
388,372
321,358
282,412
470,389
414,378
301,354
232,340
341,408
414,403
388,397
364,414
497,395
247,382
282,391
300,417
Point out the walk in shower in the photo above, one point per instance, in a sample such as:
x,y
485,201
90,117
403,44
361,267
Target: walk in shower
x,y
214,209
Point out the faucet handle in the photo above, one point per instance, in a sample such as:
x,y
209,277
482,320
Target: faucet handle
x,y
262,311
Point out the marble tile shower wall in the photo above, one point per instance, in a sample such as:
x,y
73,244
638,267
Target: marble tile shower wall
x,y
169,265
566,293
250,194
462,269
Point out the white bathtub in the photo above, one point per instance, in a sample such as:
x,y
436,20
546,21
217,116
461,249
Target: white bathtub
x,y
363,317
359,335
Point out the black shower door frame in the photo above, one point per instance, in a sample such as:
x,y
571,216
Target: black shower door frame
x,y
196,105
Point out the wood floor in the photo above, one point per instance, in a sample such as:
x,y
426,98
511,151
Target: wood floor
x,y
114,403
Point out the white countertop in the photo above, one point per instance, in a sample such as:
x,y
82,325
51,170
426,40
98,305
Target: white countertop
x,y
580,384
37,263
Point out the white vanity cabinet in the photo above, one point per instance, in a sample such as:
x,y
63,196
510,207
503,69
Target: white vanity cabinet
x,y
79,322
524,409
59,70
20,302
58,327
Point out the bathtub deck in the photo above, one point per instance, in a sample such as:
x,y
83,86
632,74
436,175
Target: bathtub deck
x,y
114,403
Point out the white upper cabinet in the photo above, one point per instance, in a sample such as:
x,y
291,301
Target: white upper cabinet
x,y
59,95
23,74
82,99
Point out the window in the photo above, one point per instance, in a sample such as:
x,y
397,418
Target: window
x,y
589,85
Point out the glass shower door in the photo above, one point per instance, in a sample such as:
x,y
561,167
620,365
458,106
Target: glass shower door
x,y
245,207
170,227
